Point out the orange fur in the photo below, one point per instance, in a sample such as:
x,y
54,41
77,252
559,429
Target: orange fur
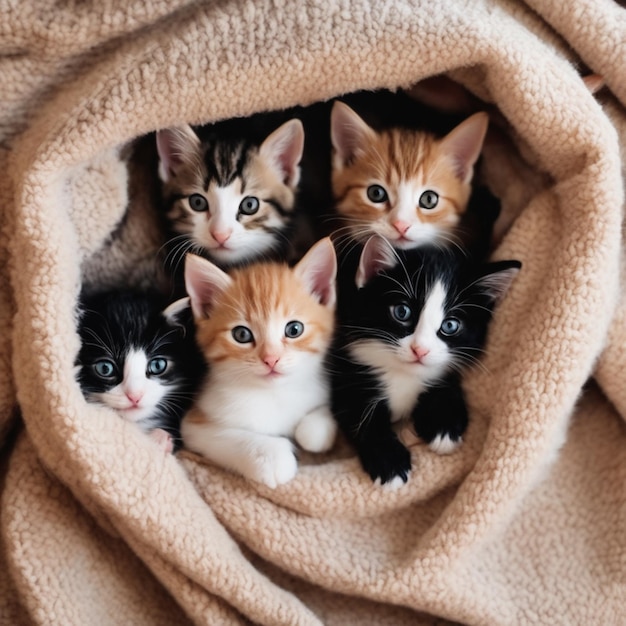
x,y
395,156
264,297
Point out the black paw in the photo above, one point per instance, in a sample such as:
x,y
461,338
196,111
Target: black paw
x,y
441,418
386,461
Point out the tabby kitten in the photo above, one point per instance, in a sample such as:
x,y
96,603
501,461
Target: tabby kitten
x,y
139,360
404,184
264,330
228,195
410,322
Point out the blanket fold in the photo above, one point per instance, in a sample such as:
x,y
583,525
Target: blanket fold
x,y
523,524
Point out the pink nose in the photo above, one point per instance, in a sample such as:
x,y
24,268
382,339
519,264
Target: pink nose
x,y
134,396
270,361
419,352
401,226
221,236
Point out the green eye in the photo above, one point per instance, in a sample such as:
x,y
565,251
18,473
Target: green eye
x,y
156,366
450,326
377,193
429,199
294,329
249,205
198,203
104,368
401,312
241,334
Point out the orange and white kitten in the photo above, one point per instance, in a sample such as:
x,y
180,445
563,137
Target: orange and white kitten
x,y
264,330
404,184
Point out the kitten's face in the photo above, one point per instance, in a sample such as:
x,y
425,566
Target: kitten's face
x,y
420,312
265,323
404,185
131,384
129,357
229,200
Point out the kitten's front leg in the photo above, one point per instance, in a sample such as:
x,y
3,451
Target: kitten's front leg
x,y
163,439
383,456
440,417
317,430
263,458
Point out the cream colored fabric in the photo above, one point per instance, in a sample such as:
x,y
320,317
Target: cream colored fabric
x,y
524,524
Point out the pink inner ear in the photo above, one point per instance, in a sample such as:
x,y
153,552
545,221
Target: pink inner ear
x,y
464,143
203,281
377,255
284,147
348,131
174,146
318,269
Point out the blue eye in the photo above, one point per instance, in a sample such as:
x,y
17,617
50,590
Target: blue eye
x,y
198,203
249,205
377,193
450,326
156,366
241,334
401,312
294,329
429,199
104,368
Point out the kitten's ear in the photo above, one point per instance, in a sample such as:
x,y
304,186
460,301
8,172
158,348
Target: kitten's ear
x,y
203,281
283,148
464,143
318,270
173,310
176,147
377,255
497,278
348,132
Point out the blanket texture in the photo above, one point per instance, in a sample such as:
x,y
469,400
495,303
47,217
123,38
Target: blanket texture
x,y
524,524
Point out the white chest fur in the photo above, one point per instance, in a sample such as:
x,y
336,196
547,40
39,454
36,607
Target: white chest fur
x,y
267,406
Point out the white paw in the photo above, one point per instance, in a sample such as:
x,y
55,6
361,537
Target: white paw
x,y
442,444
392,485
317,430
273,463
163,439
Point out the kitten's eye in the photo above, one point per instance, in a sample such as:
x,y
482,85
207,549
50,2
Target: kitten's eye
x,y
429,199
450,326
294,329
198,203
249,205
104,368
241,334
401,312
156,366
376,193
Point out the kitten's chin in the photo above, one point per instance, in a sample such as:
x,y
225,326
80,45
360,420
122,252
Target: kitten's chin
x,y
135,414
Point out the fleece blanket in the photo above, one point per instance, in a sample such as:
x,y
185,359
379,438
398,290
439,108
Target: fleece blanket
x,y
523,524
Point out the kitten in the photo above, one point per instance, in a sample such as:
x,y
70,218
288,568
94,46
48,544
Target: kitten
x,y
264,330
408,185
139,360
228,194
410,321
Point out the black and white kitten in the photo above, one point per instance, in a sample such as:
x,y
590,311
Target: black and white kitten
x,y
410,322
139,359
229,188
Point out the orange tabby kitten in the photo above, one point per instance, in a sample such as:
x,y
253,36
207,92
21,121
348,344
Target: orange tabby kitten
x,y
403,184
264,330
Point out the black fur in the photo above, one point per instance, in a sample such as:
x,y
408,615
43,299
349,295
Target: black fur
x,y
113,323
359,399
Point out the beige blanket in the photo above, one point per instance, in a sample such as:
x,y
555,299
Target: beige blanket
x,y
524,524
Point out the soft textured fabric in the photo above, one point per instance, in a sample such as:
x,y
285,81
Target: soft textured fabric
x,y
524,524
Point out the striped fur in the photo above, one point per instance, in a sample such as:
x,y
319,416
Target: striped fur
x,y
224,168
